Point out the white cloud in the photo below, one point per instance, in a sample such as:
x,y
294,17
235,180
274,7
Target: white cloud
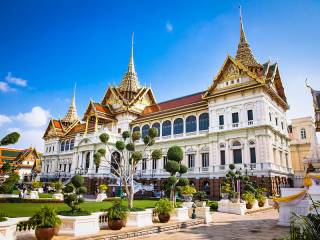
x,y
27,138
4,119
57,99
38,117
67,100
169,27
17,81
4,87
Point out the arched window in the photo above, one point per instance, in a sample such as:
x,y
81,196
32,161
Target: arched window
x,y
166,128
191,124
62,146
236,143
87,160
157,126
145,130
206,187
303,133
178,126
72,144
67,145
136,129
204,121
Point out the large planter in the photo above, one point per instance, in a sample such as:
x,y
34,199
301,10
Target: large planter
x,y
40,190
249,206
181,214
58,196
100,197
235,200
261,204
45,233
139,219
164,218
116,224
8,229
103,191
200,203
187,197
79,226
224,195
34,194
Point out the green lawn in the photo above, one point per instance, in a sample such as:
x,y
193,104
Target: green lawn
x,y
27,209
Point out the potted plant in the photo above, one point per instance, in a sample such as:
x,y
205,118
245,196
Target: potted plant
x,y
187,192
249,199
116,215
225,191
234,196
200,195
45,219
264,191
35,185
58,186
261,200
164,207
103,188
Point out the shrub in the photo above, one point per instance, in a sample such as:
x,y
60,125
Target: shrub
x,y
76,213
77,181
103,187
111,199
169,187
153,132
130,146
118,211
183,169
225,188
137,156
120,145
172,180
136,136
188,190
157,154
232,166
149,140
45,217
178,189
126,134
183,181
175,153
6,167
214,205
200,195
135,209
104,137
58,185
172,167
11,138
102,151
164,206
15,200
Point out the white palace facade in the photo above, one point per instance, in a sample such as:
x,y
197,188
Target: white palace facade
x,y
240,118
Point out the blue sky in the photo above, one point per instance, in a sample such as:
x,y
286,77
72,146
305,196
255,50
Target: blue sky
x,y
47,46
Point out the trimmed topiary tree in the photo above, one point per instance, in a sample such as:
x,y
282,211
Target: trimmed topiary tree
x,y
232,176
11,138
6,167
174,185
130,157
73,200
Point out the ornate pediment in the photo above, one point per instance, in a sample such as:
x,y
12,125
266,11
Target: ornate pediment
x,y
232,71
205,148
191,149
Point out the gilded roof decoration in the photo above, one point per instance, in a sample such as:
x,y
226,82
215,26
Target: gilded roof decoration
x,y
71,115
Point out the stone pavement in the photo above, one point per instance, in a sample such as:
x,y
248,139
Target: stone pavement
x,y
225,226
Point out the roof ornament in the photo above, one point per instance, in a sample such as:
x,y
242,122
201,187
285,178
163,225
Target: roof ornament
x,y
308,85
72,112
242,36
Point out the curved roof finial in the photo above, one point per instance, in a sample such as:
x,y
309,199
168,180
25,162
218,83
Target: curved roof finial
x,y
308,85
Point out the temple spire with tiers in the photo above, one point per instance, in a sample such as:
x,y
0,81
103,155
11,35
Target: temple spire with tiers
x,y
130,84
71,115
244,53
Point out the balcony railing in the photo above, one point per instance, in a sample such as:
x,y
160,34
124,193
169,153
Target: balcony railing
x,y
191,133
235,125
221,127
178,135
250,122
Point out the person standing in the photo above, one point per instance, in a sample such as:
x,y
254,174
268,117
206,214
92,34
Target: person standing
x,y
113,191
25,192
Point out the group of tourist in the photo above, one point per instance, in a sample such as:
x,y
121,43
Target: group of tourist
x,y
156,194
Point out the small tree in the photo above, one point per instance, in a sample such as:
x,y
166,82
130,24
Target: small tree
x,y
6,187
130,157
11,138
6,167
73,200
232,176
174,184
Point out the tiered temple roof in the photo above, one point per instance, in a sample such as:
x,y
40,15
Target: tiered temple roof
x,y
71,115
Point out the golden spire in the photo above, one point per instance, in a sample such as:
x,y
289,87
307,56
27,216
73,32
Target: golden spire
x,y
130,81
72,113
244,54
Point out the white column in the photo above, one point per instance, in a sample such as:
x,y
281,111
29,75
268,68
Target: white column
x,y
258,157
80,160
227,153
91,160
245,151
211,154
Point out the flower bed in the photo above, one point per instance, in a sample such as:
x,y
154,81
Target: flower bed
x,y
26,200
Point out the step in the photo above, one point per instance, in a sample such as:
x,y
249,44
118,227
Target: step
x,y
261,209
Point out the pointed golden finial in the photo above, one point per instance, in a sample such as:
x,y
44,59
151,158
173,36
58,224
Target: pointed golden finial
x,y
270,59
131,64
242,36
308,85
74,94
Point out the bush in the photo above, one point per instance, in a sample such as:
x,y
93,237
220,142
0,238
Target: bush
x,y
157,154
120,145
6,167
104,137
136,136
214,205
130,146
183,169
137,156
149,140
135,209
126,134
172,180
178,189
153,132
45,217
75,213
232,166
183,181
172,167
102,151
15,200
11,138
77,181
169,186
111,199
175,153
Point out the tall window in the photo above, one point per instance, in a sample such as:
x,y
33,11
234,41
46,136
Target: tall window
x,y
253,155
223,157
72,144
136,129
52,148
88,161
250,115
270,117
67,145
276,121
191,161
282,125
204,121
237,156
191,124
65,167
178,126
205,160
157,126
221,120
62,146
70,167
145,130
166,128
287,161
165,160
49,149
154,163
144,164
303,133
235,117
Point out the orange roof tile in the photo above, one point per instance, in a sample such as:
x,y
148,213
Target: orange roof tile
x,y
57,124
102,109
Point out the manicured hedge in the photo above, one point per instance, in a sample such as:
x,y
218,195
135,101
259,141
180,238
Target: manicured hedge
x,y
111,199
26,200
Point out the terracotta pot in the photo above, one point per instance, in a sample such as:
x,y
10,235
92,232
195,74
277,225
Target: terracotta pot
x,y
249,206
45,233
261,204
116,224
164,218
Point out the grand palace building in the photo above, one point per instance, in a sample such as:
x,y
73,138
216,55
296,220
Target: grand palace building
x,y
240,119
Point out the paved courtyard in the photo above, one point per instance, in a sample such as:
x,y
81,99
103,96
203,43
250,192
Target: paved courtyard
x,y
262,225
